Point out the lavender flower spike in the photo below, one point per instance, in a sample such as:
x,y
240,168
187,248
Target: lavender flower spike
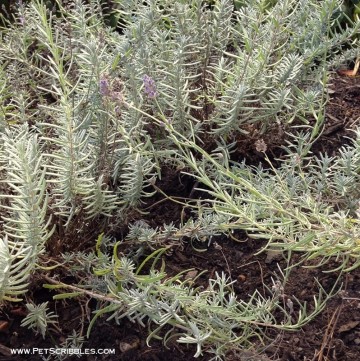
x,y
149,86
104,87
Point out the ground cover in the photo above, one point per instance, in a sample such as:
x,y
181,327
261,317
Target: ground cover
x,y
333,335
180,188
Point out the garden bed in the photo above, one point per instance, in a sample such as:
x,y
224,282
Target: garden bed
x,y
333,335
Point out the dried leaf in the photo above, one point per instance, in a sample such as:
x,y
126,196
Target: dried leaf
x,y
191,274
348,326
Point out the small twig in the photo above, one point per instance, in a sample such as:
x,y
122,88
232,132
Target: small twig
x,y
329,333
86,292
217,246
328,336
351,298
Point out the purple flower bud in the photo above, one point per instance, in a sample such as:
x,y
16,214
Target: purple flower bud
x,y
149,86
104,87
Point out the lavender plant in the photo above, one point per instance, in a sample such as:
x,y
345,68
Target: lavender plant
x,y
38,318
213,319
295,207
15,270
90,116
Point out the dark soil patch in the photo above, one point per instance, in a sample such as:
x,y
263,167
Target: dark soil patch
x,y
342,115
333,335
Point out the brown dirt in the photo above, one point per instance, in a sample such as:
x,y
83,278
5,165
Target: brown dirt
x,y
334,335
342,114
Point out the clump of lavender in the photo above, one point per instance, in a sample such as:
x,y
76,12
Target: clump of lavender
x,y
149,86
